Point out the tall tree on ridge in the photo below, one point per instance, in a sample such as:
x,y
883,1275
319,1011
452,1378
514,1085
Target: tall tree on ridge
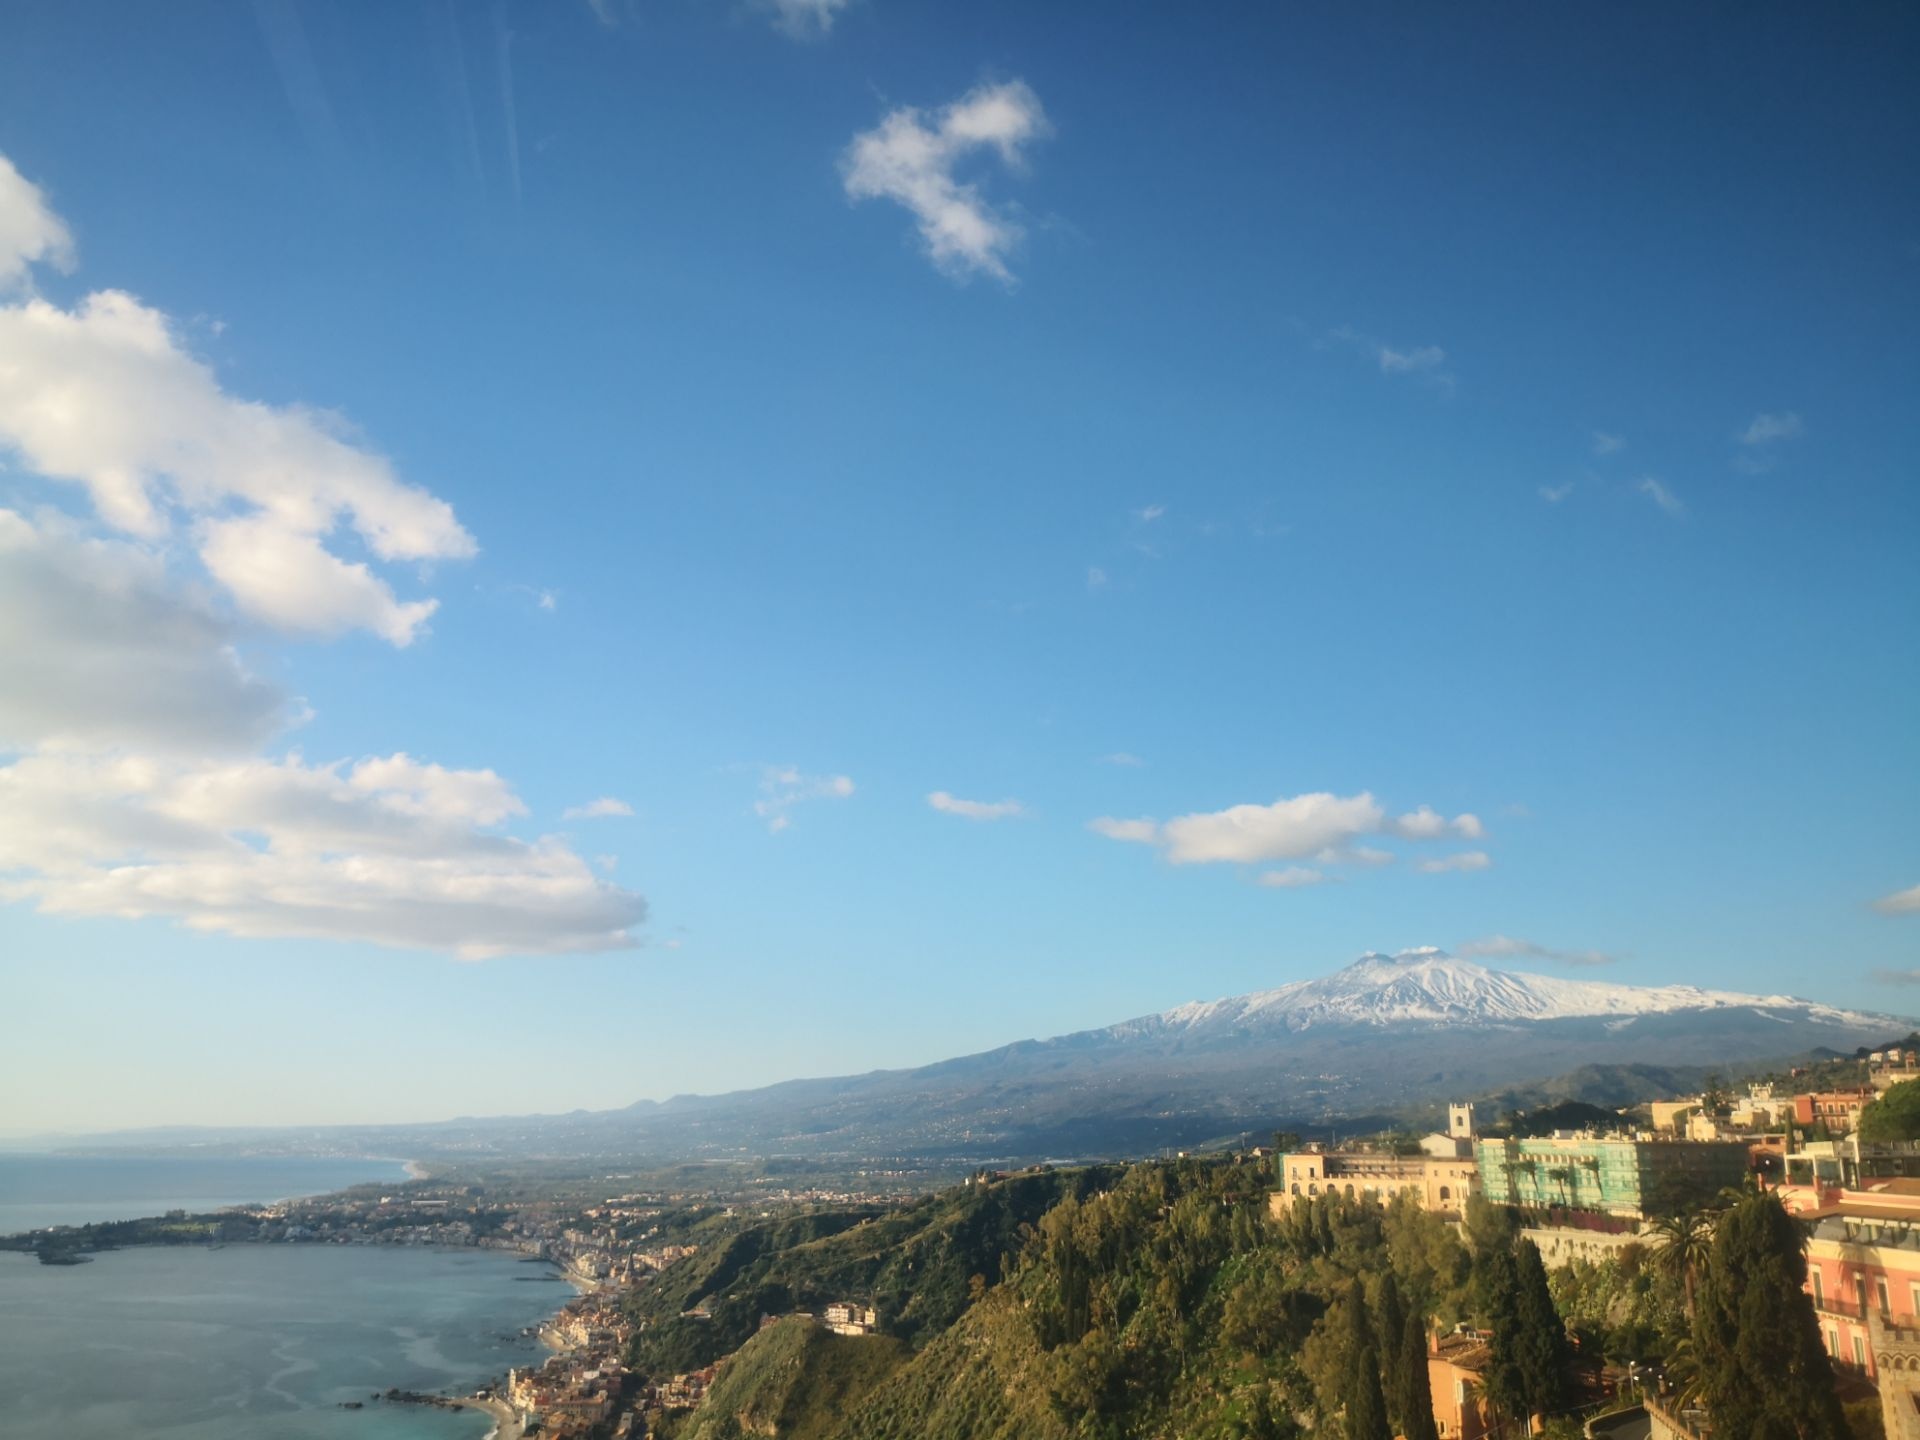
x,y
1763,1374
1366,1405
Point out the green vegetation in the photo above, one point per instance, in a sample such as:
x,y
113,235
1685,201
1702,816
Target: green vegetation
x,y
919,1265
1895,1115
795,1381
1100,1305
1762,1373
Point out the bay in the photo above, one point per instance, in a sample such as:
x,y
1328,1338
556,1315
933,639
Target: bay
x,y
261,1342
41,1190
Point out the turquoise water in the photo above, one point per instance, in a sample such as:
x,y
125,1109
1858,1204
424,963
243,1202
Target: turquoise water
x,y
260,1342
41,1190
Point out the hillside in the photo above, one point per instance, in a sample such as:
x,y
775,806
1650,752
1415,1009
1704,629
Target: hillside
x,y
917,1264
795,1381
1138,1301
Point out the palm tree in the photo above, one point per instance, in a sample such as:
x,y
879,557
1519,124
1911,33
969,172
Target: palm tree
x,y
1683,1240
1562,1175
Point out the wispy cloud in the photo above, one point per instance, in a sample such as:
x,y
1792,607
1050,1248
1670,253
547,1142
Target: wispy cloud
x,y
1096,578
1901,902
1147,514
503,55
912,158
1655,491
1554,494
1506,947
1294,877
1767,428
604,808
1121,758
1420,359
782,787
1462,861
806,19
1427,363
1761,441
1605,444
948,804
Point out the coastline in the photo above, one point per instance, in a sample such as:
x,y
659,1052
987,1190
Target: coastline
x,y
506,1423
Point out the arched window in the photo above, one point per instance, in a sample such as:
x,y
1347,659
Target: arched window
x,y
1446,1192
1313,1189
1296,1187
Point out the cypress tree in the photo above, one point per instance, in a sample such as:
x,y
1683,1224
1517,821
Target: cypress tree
x,y
1415,1397
1366,1405
1390,1322
1542,1350
1763,1374
1506,1378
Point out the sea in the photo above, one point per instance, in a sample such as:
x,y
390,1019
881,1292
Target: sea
x,y
250,1342
41,1190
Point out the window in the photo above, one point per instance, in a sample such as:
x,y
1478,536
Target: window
x,y
1886,1302
1913,1298
1859,1352
1819,1290
1833,1341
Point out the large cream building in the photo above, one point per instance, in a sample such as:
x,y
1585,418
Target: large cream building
x,y
1440,1178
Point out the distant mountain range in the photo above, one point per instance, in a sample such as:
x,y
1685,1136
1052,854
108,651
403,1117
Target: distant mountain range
x,y
1387,1038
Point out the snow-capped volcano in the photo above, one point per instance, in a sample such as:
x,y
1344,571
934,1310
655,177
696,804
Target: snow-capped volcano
x,y
1427,986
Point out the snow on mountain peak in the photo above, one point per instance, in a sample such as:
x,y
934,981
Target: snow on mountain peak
x,y
1427,986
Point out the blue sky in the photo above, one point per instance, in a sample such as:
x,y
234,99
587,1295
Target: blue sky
x,y
1462,464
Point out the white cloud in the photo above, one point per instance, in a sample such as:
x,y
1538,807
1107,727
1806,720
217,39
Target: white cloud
x,y
1413,361
388,851
782,787
104,395
1901,902
1096,578
806,19
1320,826
1122,759
1605,444
1767,428
1288,829
1427,363
1427,824
1294,877
603,808
98,646
1463,860
1660,495
975,809
1554,494
136,786
911,161
1506,947
1147,514
30,233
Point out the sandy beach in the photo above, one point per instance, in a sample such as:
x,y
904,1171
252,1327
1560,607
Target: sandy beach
x,y
506,1424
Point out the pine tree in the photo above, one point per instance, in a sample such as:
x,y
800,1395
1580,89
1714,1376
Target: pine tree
x,y
1415,1397
1763,1374
1542,1350
1390,1322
